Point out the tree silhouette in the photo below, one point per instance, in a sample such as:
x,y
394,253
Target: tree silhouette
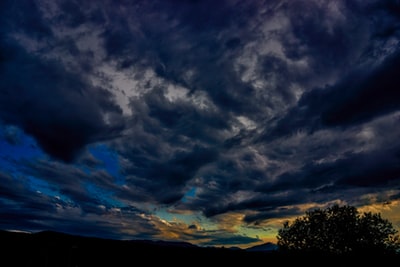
x,y
339,230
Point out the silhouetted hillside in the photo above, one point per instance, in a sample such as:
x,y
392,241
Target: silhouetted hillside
x,y
58,249
263,247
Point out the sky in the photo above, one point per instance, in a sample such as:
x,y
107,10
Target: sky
x,y
209,122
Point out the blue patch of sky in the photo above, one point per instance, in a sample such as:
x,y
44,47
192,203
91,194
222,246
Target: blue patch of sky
x,y
103,196
15,146
109,159
188,218
39,185
165,214
189,194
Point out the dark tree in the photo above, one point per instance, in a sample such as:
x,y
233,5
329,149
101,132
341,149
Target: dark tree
x,y
339,230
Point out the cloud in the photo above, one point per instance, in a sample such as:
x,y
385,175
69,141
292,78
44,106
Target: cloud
x,y
55,106
356,99
250,110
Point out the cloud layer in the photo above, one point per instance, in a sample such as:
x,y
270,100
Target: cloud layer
x,y
206,121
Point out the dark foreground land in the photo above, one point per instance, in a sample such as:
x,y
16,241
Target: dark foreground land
x,y
57,249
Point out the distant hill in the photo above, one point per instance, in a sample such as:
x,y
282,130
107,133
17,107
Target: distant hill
x,y
51,249
269,246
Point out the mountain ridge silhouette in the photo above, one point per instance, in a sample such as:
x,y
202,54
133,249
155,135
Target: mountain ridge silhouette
x,y
50,248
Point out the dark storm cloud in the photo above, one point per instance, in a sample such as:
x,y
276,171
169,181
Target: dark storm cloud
x,y
366,89
209,106
37,210
9,189
183,118
67,180
365,97
380,169
23,16
21,204
329,34
358,98
369,171
174,38
55,106
257,202
230,239
172,172
270,213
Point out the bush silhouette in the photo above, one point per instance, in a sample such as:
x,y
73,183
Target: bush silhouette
x,y
339,230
